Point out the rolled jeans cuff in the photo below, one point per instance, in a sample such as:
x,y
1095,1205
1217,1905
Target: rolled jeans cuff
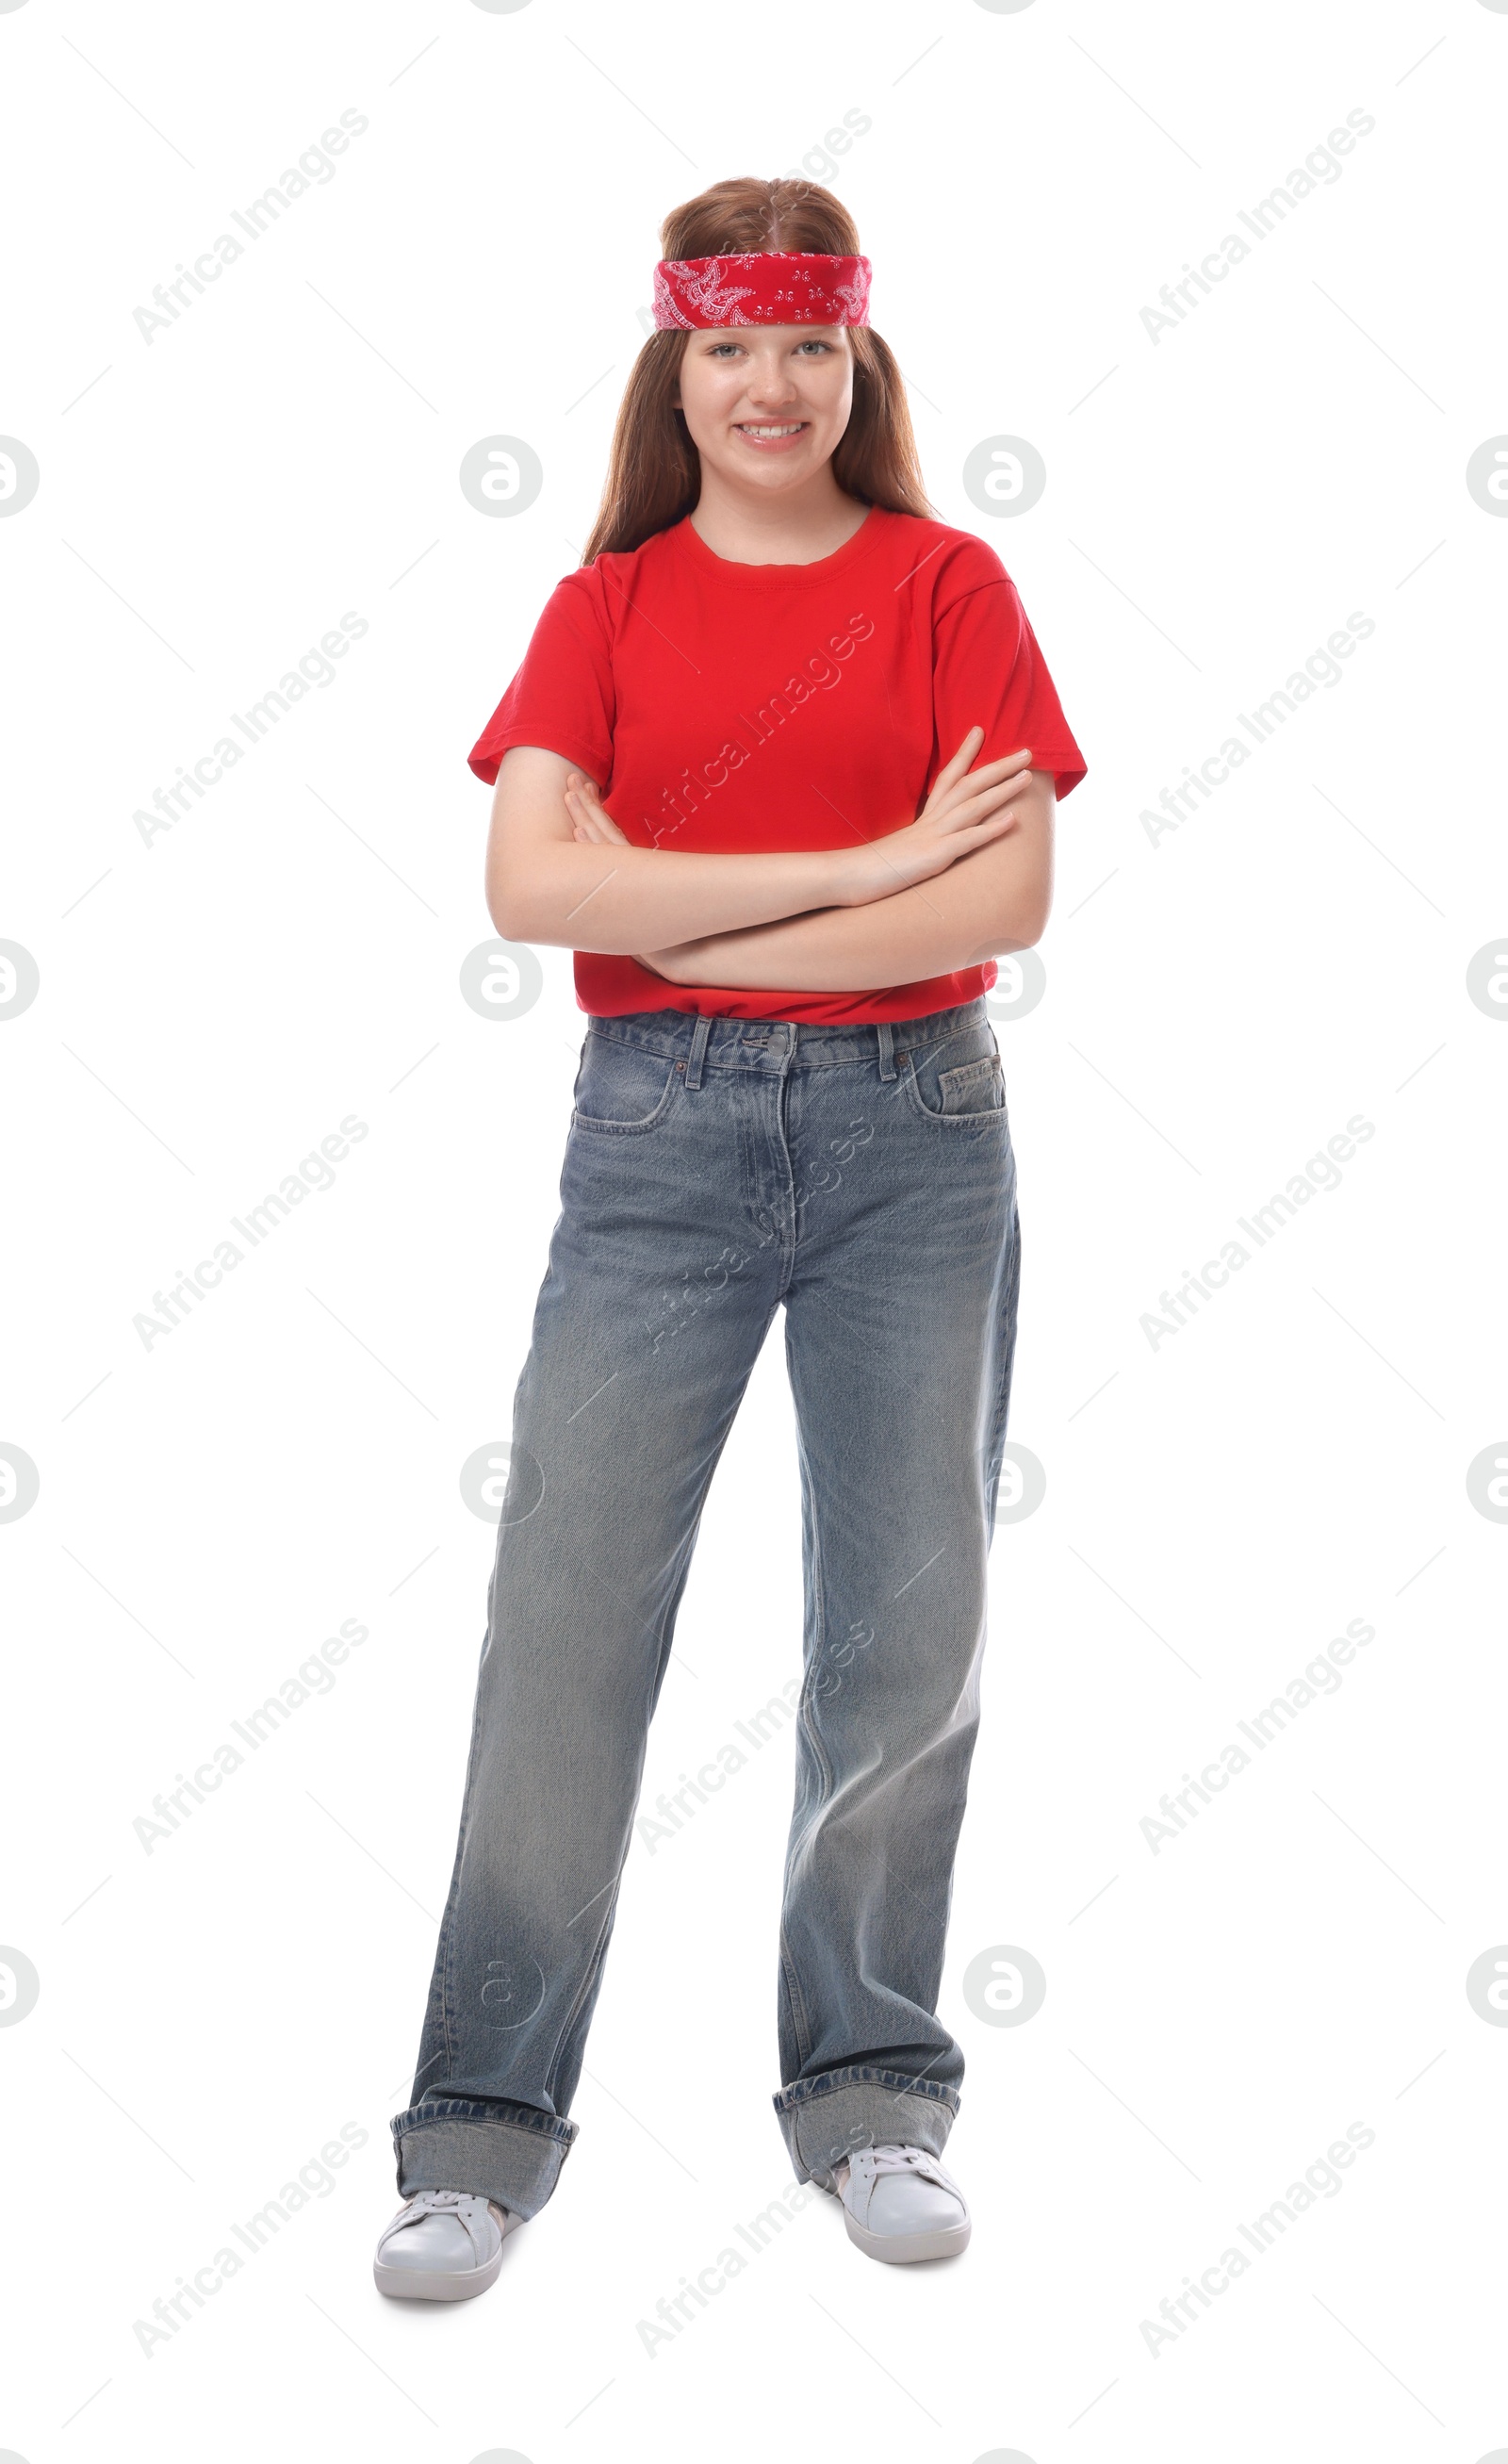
x,y
497,2151
823,2120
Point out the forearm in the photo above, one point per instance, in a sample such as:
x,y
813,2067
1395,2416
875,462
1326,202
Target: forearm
x,y
989,903
824,953
623,899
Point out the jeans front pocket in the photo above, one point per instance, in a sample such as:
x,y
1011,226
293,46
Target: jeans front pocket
x,y
969,1091
622,1088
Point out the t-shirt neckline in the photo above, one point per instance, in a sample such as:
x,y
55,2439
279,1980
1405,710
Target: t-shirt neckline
x,y
735,574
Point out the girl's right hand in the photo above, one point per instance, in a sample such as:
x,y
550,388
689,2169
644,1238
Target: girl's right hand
x,y
966,809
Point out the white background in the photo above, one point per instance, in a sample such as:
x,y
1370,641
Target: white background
x,y
1218,1004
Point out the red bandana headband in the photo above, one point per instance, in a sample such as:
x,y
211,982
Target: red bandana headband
x,y
768,287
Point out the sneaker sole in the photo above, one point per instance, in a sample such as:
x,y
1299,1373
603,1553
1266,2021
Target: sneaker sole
x,y
901,2249
438,2284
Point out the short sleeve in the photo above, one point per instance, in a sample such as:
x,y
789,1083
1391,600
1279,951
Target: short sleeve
x,y
562,698
988,671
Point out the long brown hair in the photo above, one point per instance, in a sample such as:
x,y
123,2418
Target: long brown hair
x,y
654,472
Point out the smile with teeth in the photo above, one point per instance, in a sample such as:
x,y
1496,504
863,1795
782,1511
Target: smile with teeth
x,y
791,427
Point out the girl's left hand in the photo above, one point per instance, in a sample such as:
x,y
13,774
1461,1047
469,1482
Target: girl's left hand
x,y
591,824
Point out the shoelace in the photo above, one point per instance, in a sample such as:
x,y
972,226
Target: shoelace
x,y
867,2163
471,2211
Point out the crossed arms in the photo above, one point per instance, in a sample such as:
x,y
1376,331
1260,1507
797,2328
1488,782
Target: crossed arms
x,y
969,879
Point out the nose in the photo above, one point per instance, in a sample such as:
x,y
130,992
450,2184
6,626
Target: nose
x,y
770,381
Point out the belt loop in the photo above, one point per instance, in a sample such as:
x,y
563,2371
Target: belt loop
x,y
693,1067
887,1042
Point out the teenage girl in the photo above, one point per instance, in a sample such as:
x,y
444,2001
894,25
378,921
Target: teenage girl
x,y
781,766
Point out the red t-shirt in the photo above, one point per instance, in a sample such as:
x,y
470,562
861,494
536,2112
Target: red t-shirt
x,y
756,708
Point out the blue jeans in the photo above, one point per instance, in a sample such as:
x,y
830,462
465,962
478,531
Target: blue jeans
x,y
716,1167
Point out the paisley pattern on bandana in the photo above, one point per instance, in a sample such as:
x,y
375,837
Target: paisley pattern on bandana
x,y
766,286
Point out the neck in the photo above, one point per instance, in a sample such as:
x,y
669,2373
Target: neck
x,y
796,526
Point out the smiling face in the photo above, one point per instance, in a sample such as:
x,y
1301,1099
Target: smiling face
x,y
766,405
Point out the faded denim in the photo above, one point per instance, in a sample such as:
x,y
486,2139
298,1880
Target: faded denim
x,y
716,1169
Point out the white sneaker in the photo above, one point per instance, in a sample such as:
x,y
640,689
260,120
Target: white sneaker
x,y
443,2246
900,2205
